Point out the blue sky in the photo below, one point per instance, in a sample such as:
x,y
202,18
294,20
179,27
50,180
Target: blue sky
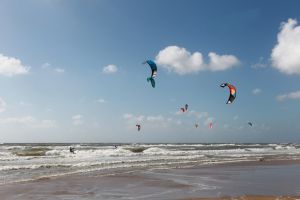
x,y
71,71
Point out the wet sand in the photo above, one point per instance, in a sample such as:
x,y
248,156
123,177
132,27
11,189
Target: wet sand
x,y
249,197
248,180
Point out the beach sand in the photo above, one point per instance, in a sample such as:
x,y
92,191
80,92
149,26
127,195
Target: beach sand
x,y
248,180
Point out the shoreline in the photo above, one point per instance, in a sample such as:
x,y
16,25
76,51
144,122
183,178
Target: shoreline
x,y
239,180
120,171
247,197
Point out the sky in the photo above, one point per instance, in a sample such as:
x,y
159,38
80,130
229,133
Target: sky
x,y
71,71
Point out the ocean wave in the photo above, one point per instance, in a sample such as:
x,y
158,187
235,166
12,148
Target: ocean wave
x,y
32,151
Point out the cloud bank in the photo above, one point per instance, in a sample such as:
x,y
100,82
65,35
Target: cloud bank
x,y
179,60
28,121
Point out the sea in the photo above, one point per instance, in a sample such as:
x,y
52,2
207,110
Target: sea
x,y
26,162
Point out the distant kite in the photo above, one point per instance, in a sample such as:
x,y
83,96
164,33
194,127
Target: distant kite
x,y
232,92
185,108
196,125
138,127
153,67
250,123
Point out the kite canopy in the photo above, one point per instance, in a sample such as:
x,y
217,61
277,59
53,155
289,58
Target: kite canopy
x,y
250,123
232,92
153,67
152,81
138,127
185,108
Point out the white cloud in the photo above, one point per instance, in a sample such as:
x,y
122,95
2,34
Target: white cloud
x,y
48,66
221,62
158,118
77,119
139,118
2,105
127,116
110,69
201,115
101,100
45,65
285,55
208,121
59,70
292,95
181,61
131,119
29,121
10,66
204,117
256,91
259,64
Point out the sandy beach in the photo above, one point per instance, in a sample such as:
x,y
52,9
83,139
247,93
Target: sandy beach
x,y
247,180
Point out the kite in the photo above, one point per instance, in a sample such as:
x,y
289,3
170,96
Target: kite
x,y
138,127
185,108
153,72
232,92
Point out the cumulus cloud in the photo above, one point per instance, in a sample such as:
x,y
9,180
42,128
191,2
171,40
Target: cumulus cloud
x,y
110,69
77,119
285,55
29,121
256,91
10,66
181,61
2,105
221,62
292,95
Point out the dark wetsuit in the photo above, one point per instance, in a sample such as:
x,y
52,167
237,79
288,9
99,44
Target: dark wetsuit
x,y
72,150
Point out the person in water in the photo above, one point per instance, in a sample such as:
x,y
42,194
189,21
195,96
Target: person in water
x,y
72,150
